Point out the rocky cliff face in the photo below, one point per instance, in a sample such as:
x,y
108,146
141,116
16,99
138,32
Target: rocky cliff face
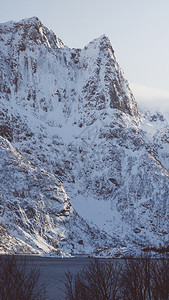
x,y
71,113
35,212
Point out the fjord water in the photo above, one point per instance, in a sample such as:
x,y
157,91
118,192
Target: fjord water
x,y
53,272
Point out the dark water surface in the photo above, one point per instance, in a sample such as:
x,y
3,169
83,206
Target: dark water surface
x,y
53,272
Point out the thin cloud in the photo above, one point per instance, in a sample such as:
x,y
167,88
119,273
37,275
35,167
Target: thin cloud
x,y
150,98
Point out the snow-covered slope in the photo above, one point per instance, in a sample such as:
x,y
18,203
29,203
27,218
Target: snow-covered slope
x,y
71,112
35,212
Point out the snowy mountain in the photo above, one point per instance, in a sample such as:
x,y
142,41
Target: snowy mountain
x,y
70,125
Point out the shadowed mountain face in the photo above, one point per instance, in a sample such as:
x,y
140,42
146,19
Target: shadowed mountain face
x,y
71,114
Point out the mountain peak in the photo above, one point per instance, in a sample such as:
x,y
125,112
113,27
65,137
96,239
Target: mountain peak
x,y
101,82
23,22
30,31
102,42
33,19
104,38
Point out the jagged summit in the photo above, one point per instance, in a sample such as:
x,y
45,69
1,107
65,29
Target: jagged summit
x,y
30,30
15,26
103,39
31,20
35,22
93,69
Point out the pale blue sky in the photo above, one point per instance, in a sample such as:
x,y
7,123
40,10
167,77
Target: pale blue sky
x,y
138,30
